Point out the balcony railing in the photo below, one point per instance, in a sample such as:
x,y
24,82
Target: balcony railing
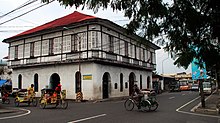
x,y
96,54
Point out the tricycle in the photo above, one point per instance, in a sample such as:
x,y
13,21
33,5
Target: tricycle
x,y
51,97
22,96
147,103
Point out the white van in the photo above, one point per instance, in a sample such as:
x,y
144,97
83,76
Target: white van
x,y
207,88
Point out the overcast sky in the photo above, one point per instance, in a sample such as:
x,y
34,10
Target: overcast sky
x,y
53,11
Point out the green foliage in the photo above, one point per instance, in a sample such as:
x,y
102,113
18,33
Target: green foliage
x,y
186,23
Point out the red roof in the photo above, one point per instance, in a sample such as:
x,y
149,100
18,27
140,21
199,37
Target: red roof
x,y
68,19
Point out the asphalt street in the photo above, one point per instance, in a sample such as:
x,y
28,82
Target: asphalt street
x,y
173,108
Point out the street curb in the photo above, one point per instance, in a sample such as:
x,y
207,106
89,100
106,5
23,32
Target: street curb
x,y
198,109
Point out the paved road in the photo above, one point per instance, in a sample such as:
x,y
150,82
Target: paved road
x,y
114,112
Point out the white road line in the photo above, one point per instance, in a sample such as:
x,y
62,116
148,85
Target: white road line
x,y
88,118
171,98
190,113
187,103
28,112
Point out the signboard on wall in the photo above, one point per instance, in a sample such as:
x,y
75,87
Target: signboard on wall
x,y
87,77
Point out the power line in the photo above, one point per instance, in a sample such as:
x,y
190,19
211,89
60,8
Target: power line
x,y
15,26
26,12
23,5
23,20
11,30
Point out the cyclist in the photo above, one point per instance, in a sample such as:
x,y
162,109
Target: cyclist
x,y
31,91
137,94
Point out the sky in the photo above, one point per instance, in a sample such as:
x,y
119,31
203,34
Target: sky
x,y
53,11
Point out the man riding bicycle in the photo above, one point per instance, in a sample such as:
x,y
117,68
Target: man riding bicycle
x,y
137,94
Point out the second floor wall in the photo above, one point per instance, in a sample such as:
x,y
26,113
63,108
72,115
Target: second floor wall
x,y
88,40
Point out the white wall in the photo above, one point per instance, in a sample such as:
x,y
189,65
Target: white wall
x,y
92,89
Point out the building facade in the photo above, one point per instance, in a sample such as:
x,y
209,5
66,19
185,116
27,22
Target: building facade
x,y
84,54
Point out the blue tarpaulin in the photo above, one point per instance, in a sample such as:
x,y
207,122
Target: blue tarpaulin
x,y
2,81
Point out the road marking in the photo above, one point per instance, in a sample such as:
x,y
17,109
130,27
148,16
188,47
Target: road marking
x,y
28,112
184,112
187,103
88,118
183,94
171,98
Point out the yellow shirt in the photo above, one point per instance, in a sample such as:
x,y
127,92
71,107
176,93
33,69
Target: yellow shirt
x,y
30,90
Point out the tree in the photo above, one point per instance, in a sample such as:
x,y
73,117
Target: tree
x,y
190,25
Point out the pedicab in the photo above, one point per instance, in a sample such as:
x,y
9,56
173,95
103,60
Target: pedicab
x,y
22,96
51,97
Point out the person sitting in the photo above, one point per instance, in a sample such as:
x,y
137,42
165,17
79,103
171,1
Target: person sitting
x,y
58,90
4,92
137,94
31,91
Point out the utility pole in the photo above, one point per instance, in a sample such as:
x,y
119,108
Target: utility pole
x,y
163,70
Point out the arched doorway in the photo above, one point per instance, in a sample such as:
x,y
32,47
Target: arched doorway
x,y
78,82
36,82
106,80
148,82
19,81
54,81
132,79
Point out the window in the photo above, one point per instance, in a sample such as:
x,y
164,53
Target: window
x,y
111,44
121,82
74,42
19,81
11,53
122,47
57,45
135,52
20,51
32,49
36,82
66,44
117,46
126,84
45,47
37,48
16,52
51,48
126,48
116,86
94,40
82,37
140,81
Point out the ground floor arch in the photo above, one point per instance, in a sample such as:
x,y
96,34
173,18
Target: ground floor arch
x,y
148,82
54,81
106,80
132,79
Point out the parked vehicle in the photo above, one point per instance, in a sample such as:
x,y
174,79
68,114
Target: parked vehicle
x,y
23,97
207,88
50,97
184,85
195,87
174,86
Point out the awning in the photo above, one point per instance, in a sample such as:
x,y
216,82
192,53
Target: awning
x,y
2,81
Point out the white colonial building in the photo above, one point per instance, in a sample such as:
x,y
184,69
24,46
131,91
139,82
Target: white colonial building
x,y
85,54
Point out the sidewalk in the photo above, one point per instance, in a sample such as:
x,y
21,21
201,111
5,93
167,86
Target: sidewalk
x,y
210,105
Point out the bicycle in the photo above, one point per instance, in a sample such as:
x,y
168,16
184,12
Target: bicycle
x,y
147,103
